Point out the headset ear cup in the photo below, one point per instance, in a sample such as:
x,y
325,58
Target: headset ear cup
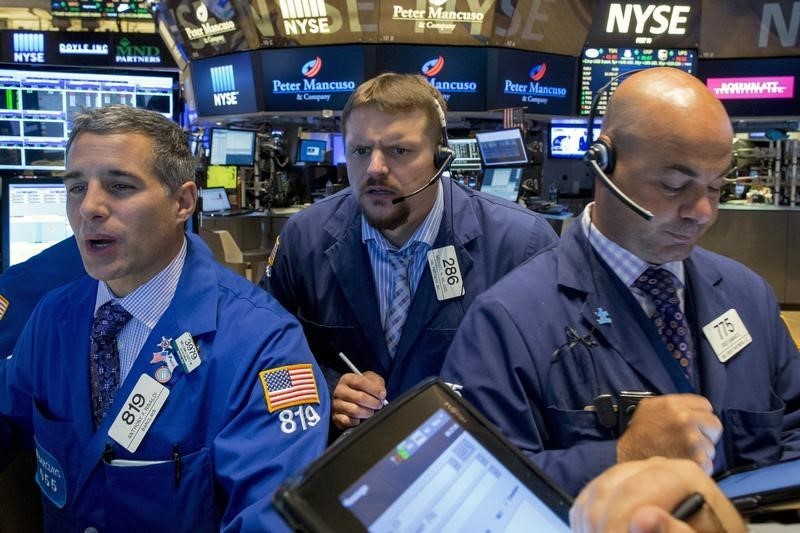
x,y
440,156
603,153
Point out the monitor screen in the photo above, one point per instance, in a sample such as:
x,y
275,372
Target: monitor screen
x,y
225,85
214,199
537,82
502,147
36,109
768,86
34,217
468,155
502,182
232,147
311,150
600,65
570,140
339,156
221,176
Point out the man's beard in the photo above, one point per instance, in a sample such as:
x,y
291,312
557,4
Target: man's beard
x,y
396,218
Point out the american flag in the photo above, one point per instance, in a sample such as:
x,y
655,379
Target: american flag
x,y
3,306
286,386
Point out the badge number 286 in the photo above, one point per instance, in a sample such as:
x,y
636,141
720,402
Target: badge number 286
x,y
446,273
304,416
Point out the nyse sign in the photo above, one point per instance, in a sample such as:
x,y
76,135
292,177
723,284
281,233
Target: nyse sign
x,y
666,24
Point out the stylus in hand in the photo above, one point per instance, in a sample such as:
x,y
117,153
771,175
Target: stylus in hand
x,y
355,370
689,506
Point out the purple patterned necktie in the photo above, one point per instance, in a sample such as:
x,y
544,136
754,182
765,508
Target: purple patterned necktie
x,y
104,357
659,285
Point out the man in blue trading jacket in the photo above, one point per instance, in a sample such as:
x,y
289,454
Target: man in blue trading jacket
x,y
628,304
23,285
384,270
163,393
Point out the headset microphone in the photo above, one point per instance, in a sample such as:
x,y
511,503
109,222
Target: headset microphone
x,y
600,155
447,160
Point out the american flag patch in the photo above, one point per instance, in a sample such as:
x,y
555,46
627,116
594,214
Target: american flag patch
x,y
287,386
3,306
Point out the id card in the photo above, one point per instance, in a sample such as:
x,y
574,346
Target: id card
x,y
446,273
138,413
727,335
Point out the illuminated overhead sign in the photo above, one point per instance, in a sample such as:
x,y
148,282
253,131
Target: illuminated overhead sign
x,y
674,24
757,87
310,78
224,85
540,83
28,48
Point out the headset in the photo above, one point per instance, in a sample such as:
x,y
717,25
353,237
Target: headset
x,y
600,156
442,155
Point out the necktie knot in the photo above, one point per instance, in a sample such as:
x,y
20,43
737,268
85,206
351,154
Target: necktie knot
x,y
659,285
110,318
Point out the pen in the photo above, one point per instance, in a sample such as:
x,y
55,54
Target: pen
x,y
355,370
689,506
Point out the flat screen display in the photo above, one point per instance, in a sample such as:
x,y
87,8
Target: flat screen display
x,y
310,78
502,182
311,150
37,106
337,142
502,147
224,85
232,147
600,65
754,87
221,176
458,72
468,156
34,217
570,140
537,82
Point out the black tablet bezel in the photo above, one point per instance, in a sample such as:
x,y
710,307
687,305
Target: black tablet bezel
x,y
755,503
329,476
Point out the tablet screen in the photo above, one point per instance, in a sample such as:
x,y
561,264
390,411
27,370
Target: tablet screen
x,y
426,462
767,478
441,477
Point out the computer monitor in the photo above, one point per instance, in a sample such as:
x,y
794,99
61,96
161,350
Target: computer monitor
x,y
221,176
502,182
34,217
468,155
311,150
339,156
232,147
502,147
570,140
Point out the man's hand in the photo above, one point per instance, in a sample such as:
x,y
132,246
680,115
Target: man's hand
x,y
638,496
356,398
674,425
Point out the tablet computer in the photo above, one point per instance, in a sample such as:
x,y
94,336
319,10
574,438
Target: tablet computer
x,y
753,488
426,462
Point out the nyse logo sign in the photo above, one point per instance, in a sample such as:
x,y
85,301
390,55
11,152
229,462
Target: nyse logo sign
x,y
223,86
304,16
28,48
646,21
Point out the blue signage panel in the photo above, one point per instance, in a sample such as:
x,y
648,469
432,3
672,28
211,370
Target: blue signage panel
x,y
458,72
540,83
224,85
310,78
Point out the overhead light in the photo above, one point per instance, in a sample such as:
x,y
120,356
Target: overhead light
x,y
122,8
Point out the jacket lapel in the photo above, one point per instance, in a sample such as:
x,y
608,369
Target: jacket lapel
x,y
579,268
350,264
707,281
458,227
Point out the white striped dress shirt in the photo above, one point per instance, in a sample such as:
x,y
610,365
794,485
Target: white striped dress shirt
x,y
378,249
146,304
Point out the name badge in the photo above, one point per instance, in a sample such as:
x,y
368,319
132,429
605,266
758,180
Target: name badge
x,y
446,273
727,335
187,352
137,415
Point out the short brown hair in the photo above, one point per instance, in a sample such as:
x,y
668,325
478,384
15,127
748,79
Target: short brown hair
x,y
399,93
